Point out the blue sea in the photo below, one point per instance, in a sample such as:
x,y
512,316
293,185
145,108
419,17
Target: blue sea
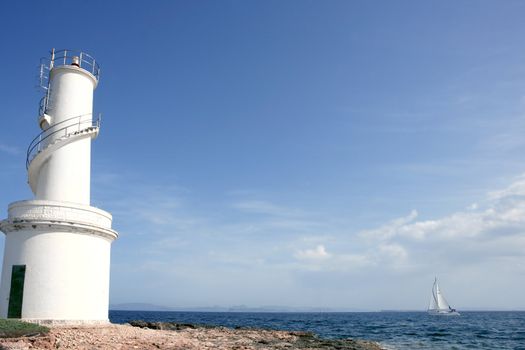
x,y
393,330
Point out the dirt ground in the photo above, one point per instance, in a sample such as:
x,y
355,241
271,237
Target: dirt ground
x,y
112,337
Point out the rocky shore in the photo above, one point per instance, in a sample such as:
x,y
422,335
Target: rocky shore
x,y
169,335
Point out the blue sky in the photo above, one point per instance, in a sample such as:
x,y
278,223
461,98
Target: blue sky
x,y
303,153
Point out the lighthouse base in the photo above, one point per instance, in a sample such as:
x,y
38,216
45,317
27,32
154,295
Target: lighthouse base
x,y
68,322
56,263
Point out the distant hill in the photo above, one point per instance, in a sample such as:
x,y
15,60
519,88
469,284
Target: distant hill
x,y
153,307
236,308
139,307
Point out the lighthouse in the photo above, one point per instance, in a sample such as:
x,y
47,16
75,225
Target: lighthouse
x,y
57,246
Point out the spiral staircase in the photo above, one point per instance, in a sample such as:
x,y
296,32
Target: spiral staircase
x,y
55,137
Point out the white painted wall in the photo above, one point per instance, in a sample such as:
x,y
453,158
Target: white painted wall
x,y
66,250
67,274
65,176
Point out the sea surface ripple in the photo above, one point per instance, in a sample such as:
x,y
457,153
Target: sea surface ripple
x,y
393,330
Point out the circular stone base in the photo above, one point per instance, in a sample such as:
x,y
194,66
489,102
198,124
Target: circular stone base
x,y
44,215
53,323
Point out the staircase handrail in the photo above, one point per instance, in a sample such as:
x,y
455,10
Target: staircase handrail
x,y
32,149
42,106
64,57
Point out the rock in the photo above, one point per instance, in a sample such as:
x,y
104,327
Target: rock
x,y
139,323
170,326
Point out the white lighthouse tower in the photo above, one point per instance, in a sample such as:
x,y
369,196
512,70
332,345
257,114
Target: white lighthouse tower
x,y
57,247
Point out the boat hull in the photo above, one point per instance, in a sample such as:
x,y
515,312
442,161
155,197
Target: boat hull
x,y
443,313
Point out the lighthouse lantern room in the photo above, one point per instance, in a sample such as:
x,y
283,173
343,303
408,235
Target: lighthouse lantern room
x,y
57,247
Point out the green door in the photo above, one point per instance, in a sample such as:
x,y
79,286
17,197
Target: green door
x,y
16,293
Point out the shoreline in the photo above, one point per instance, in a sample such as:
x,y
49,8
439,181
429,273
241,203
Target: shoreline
x,y
170,335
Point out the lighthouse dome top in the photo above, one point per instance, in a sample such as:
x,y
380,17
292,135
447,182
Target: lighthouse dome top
x,y
67,58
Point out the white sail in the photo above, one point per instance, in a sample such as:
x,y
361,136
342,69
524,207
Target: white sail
x,y
441,301
432,305
438,305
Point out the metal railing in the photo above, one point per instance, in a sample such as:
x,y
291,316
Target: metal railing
x,y
67,57
42,106
75,125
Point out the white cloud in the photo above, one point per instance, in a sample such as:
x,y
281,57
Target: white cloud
x,y
317,253
265,207
393,251
462,238
390,229
473,206
517,188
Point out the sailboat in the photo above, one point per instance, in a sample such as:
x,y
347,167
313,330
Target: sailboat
x,y
438,304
